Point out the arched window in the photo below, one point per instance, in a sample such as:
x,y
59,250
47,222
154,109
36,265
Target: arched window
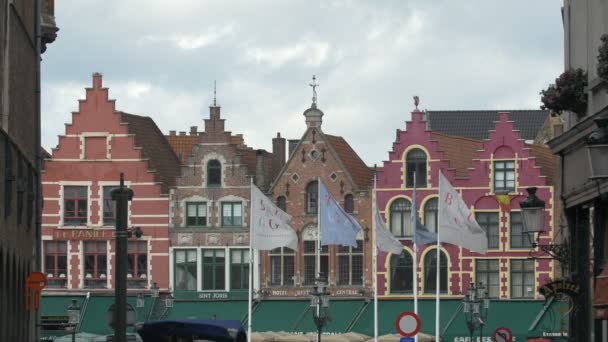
x,y
401,273
416,165
430,272
350,264
401,217
214,173
430,215
312,196
349,204
282,203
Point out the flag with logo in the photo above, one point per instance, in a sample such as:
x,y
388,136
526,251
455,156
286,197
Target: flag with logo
x,y
504,201
269,224
336,225
456,222
385,240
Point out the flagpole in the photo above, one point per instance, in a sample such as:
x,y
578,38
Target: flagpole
x,y
319,241
250,297
374,261
438,266
413,218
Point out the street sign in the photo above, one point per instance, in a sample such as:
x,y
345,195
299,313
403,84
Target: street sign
x,y
503,334
407,339
408,324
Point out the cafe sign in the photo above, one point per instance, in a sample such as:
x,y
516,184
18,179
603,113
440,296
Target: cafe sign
x,y
558,288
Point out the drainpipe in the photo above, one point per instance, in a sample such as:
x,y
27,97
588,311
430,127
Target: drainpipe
x,y
38,156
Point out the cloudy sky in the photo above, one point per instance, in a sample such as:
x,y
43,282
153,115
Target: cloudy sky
x,y
160,59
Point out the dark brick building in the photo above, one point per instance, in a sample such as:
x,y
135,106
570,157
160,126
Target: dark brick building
x,y
19,156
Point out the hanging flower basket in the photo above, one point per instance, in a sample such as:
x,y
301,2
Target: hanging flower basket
x,y
602,59
567,94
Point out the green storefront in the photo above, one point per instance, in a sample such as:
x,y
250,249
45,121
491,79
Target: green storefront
x,y
526,319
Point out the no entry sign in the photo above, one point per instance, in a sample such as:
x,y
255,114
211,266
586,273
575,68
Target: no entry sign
x,y
503,334
408,324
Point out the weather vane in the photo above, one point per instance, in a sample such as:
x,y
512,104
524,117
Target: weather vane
x,y
314,86
416,101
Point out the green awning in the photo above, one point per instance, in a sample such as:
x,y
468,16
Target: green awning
x,y
342,312
236,310
58,305
270,312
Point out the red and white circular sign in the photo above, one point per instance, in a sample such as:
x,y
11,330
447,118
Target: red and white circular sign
x,y
503,334
408,324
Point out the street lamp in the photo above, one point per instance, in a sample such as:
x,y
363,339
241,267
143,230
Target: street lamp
x,y
169,301
476,304
533,214
155,290
597,150
319,302
74,317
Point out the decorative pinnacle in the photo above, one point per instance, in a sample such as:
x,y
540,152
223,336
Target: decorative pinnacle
x,y
416,101
214,94
314,86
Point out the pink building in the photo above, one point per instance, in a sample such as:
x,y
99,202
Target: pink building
x,y
79,216
503,164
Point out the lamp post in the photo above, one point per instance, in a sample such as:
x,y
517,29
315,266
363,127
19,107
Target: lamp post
x,y
476,305
121,196
319,302
154,290
74,317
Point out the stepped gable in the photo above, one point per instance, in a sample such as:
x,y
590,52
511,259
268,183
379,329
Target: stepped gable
x,y
155,147
476,124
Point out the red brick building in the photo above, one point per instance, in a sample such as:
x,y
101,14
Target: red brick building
x,y
480,169
317,155
79,216
210,210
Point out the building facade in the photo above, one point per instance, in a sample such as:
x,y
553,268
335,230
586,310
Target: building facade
x,y
316,157
78,221
22,23
584,194
210,210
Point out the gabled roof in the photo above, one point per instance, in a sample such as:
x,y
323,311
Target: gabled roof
x,y
182,145
360,173
476,124
155,147
458,151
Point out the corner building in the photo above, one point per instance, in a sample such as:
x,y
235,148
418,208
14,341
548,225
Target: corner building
x,y
512,270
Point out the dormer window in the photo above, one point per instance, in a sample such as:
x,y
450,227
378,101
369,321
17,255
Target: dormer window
x,y
214,173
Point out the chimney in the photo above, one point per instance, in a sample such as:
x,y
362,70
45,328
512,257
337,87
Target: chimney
x,y
193,130
172,133
292,145
215,123
278,153
260,170
97,77
182,133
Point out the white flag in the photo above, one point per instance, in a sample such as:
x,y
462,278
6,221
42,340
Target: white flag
x,y
269,224
456,222
336,225
385,240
